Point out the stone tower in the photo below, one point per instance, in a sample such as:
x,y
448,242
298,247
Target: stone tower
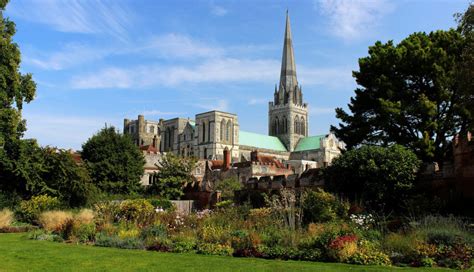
x,y
288,115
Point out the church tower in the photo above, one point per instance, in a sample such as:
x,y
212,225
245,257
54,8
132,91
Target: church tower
x,y
287,114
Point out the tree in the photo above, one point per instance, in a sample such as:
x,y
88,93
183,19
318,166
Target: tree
x,y
380,176
173,174
227,187
408,95
114,161
465,75
15,90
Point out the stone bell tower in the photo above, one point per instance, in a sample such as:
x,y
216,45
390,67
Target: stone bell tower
x,y
287,114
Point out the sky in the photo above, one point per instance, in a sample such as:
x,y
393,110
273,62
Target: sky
x,y
97,62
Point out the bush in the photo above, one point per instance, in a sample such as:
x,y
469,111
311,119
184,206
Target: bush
x,y
321,206
55,221
369,254
30,209
136,211
184,245
214,249
84,216
6,218
84,232
343,248
104,240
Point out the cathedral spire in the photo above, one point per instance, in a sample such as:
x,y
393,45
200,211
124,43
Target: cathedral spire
x,y
288,68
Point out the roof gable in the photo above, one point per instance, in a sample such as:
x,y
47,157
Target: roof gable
x,y
309,143
260,141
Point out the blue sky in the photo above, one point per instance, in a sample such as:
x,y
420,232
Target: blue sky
x,y
98,62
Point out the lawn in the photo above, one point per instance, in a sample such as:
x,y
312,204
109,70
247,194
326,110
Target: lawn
x,y
18,253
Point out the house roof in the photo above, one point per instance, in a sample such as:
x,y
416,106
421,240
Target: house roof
x,y
309,143
260,141
192,124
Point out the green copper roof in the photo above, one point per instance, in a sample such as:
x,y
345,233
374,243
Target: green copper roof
x,y
309,143
260,141
192,123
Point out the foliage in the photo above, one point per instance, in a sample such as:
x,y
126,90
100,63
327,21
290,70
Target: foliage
x,y
381,176
288,206
408,95
174,172
30,209
104,240
369,254
224,204
6,218
55,221
214,249
136,211
114,161
15,90
227,187
321,206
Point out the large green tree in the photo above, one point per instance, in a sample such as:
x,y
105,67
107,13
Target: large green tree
x,y
174,172
15,90
379,176
409,94
465,75
114,161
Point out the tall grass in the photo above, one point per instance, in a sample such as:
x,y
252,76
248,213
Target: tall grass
x,y
6,218
55,220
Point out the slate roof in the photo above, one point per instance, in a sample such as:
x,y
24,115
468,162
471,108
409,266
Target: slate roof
x,y
309,143
260,141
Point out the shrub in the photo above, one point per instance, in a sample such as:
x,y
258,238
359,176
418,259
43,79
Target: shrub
x,y
185,246
137,211
321,206
85,216
104,240
55,221
6,218
30,209
214,249
84,232
369,254
106,212
154,231
343,247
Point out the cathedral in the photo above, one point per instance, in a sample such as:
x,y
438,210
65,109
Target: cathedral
x,y
215,133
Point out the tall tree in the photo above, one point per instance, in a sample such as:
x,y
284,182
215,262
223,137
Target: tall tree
x,y
174,172
408,95
15,90
114,162
466,64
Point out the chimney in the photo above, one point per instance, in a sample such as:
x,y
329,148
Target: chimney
x,y
226,159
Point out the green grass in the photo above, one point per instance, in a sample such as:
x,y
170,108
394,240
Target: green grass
x,y
18,253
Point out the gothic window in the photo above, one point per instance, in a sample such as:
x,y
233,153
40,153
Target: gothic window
x,y
277,126
205,153
203,131
228,132
274,132
297,125
222,130
282,126
285,125
152,129
302,124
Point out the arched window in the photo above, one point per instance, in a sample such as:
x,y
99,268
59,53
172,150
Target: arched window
x,y
274,126
277,126
228,132
152,129
282,126
302,124
297,125
285,125
205,153
203,131
222,130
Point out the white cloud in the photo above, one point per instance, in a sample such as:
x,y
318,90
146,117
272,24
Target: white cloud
x,y
334,77
214,70
321,111
258,101
213,104
218,10
353,19
181,46
77,16
69,56
65,131
160,113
